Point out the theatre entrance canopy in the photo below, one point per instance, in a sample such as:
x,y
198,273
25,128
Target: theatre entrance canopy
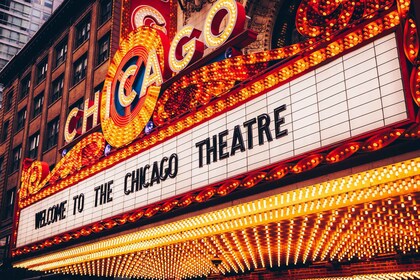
x,y
300,161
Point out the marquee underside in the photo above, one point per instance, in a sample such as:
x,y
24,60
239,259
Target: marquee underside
x,y
371,216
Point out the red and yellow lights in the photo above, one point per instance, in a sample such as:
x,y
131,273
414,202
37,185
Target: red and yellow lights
x,y
354,217
411,40
90,112
185,48
148,16
127,102
411,49
270,173
35,176
162,113
235,12
343,152
203,92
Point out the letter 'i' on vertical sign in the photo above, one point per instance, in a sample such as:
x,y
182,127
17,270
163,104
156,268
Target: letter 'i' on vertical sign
x,y
132,85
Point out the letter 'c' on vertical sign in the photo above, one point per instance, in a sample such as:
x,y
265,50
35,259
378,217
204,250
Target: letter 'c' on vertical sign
x,y
132,85
235,12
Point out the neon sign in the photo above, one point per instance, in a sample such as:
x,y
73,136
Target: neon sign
x,y
206,103
143,62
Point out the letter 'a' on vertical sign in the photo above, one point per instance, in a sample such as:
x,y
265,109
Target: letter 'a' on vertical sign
x,y
132,85
235,12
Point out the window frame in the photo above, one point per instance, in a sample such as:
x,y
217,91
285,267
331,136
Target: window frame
x,y
4,131
21,119
1,164
16,161
101,56
5,248
24,88
61,47
78,76
52,137
41,70
35,111
9,205
56,94
82,31
33,153
104,17
8,104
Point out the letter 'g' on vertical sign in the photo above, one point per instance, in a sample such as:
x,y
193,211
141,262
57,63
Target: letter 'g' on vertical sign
x,y
185,48
132,85
213,36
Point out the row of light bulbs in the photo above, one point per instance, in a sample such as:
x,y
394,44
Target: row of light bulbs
x,y
328,221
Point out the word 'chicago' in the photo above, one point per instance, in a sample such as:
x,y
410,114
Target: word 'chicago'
x,y
143,177
147,175
264,128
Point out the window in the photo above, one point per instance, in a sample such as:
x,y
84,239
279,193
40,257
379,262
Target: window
x,y
1,165
4,249
38,102
4,131
103,49
13,36
42,70
34,27
36,13
79,69
10,203
48,3
82,31
25,25
16,156
52,133
16,6
9,101
33,146
21,118
61,52
24,87
57,89
105,11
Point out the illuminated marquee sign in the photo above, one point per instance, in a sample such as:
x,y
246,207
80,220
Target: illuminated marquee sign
x,y
141,65
289,120
323,107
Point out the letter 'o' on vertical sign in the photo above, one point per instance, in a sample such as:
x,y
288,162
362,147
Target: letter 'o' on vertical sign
x,y
132,85
235,12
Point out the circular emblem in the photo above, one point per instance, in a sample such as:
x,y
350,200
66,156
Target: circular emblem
x,y
132,85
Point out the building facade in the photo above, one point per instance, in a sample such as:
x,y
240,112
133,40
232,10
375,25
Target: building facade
x,y
211,139
19,20
47,85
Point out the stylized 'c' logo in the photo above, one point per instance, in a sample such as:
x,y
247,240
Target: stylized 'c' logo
x,y
132,85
